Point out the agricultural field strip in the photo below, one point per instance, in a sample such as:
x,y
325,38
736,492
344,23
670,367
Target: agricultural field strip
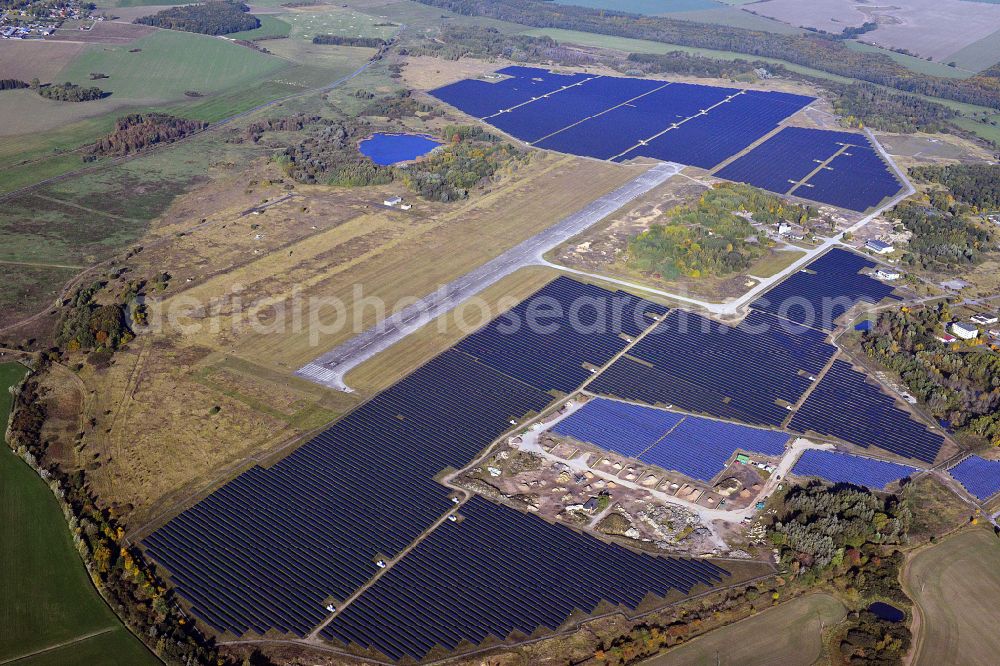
x,y
329,368
59,645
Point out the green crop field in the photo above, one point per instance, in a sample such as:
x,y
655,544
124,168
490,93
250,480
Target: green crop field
x,y
270,27
955,585
979,55
169,64
788,635
306,24
50,609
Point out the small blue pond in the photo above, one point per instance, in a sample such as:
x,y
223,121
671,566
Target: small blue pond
x,y
386,149
866,325
886,612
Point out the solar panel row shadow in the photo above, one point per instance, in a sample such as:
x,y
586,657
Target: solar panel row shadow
x,y
840,467
266,550
846,406
703,366
979,476
823,291
621,118
499,571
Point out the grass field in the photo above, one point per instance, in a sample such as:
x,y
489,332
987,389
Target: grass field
x,y
774,262
170,63
979,55
956,584
647,7
788,635
735,17
914,64
270,27
48,599
308,22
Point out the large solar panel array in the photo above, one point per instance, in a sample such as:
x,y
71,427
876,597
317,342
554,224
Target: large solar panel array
x,y
981,477
616,118
838,168
694,446
845,468
544,341
823,291
738,373
846,406
618,426
700,448
269,549
497,572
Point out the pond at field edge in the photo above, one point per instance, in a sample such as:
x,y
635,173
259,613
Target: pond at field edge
x,y
887,612
386,149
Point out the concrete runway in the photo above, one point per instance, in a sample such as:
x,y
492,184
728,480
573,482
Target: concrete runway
x,y
329,368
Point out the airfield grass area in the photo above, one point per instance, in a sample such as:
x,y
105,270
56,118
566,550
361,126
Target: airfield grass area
x,y
789,635
919,65
49,600
955,584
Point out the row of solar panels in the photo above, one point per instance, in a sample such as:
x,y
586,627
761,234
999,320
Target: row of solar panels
x,y
272,548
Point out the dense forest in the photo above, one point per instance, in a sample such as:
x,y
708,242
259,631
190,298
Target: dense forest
x,y
137,131
712,236
810,50
961,386
977,184
340,40
847,538
69,92
218,17
944,235
867,105
462,41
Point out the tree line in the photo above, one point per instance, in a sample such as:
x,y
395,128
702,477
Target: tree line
x,y
12,84
68,92
218,17
341,40
810,50
138,131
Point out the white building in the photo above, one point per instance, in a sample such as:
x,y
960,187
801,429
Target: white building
x,y
879,247
964,331
984,319
887,274
393,201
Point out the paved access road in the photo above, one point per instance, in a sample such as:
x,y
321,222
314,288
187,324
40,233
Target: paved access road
x,y
329,369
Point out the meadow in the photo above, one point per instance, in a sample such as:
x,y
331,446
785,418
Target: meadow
x,y
954,585
764,638
50,610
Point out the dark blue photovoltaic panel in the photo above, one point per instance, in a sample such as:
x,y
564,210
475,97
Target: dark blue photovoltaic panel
x,y
618,426
857,179
622,118
823,291
700,365
533,121
265,551
499,571
846,406
725,130
545,340
700,448
846,468
981,477
786,158
483,98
